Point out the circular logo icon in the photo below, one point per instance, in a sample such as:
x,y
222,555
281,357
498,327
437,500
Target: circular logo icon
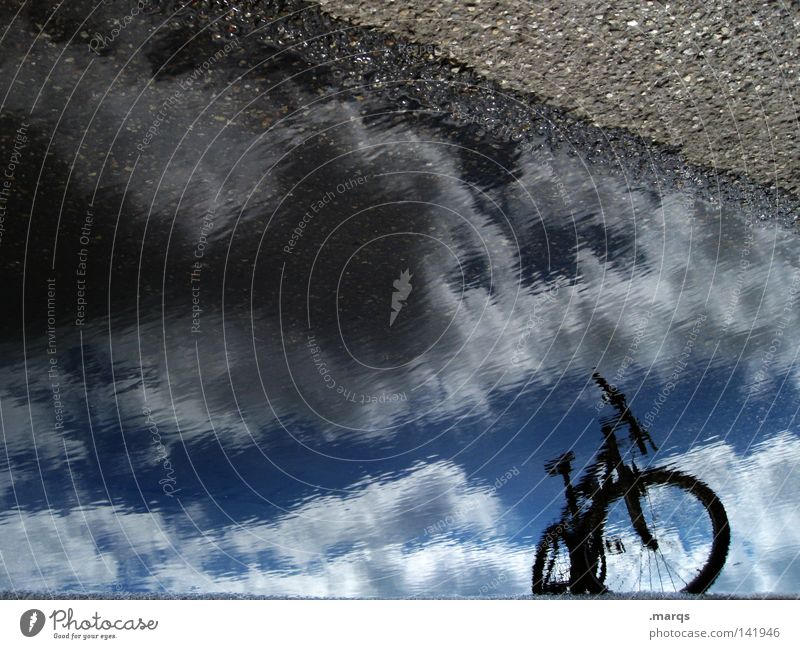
x,y
31,622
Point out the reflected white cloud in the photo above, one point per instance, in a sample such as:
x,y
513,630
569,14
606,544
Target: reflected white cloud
x,y
370,543
616,251
373,542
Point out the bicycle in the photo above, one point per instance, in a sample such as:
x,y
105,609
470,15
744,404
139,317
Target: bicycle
x,y
624,529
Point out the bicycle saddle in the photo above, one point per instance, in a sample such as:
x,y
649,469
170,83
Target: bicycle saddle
x,y
560,465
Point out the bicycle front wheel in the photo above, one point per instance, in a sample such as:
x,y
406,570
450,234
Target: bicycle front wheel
x,y
690,527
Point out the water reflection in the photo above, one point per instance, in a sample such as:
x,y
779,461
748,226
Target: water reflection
x,y
220,396
628,530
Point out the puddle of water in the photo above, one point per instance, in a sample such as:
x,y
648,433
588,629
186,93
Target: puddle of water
x,y
297,340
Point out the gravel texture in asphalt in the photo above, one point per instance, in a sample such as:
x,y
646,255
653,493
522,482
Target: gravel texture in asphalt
x,y
718,80
401,53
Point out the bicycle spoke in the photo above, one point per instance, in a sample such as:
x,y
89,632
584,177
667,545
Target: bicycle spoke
x,y
654,532
669,572
672,517
679,523
639,585
677,519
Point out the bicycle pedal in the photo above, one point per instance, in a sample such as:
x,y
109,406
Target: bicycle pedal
x,y
615,546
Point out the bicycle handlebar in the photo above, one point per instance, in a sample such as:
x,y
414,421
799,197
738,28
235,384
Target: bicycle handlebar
x,y
638,434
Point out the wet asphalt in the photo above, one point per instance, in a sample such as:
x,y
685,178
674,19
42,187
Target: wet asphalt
x,y
717,80
705,94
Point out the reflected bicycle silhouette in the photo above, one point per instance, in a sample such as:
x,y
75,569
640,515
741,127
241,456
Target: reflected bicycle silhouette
x,y
629,530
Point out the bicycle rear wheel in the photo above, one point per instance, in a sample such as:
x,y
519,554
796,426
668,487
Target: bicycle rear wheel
x,y
552,572
551,567
689,524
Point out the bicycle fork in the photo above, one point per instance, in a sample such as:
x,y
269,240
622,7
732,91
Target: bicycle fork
x,y
633,503
629,481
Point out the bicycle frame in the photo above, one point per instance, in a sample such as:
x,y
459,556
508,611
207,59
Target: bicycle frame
x,y
584,538
610,479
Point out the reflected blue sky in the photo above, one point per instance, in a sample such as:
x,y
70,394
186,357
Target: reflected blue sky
x,y
285,437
